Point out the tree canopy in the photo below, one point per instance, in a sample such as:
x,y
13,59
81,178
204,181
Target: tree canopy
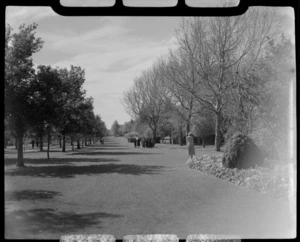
x,y
45,100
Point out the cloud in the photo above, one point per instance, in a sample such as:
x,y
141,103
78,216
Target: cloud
x,y
110,49
110,73
16,15
119,52
106,36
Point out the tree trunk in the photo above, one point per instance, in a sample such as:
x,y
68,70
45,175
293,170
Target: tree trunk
x,y
48,145
203,141
188,124
153,136
78,144
20,136
20,161
59,141
64,143
41,143
24,144
180,136
16,143
218,132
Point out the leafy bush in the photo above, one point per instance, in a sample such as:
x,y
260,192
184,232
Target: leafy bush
x,y
241,152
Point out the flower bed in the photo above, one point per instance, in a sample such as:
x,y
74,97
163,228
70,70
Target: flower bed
x,y
270,179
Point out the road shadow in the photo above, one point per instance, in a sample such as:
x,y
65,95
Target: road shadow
x,y
58,161
53,150
30,195
30,223
108,148
70,171
109,145
112,153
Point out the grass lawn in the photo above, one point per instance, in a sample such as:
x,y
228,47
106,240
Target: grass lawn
x,y
117,189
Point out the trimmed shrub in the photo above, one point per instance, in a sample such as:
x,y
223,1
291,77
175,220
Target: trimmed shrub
x,y
241,152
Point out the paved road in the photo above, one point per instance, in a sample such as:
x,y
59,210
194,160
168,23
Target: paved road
x,y
119,190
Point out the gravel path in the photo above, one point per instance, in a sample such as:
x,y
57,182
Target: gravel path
x,y
119,190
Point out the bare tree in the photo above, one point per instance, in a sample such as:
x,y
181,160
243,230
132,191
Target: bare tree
x,y
144,100
219,48
178,74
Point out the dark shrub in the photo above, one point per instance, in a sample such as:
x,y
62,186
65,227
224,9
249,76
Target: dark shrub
x,y
241,152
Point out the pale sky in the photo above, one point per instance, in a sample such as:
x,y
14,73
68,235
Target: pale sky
x,y
112,50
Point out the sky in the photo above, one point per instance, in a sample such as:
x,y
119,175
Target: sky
x,y
112,50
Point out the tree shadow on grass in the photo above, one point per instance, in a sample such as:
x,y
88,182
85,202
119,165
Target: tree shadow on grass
x,y
69,171
58,161
46,220
109,148
108,145
112,153
30,195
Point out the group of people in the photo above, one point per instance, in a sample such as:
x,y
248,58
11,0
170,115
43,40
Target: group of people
x,y
34,142
145,142
102,141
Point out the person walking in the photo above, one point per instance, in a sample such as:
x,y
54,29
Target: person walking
x,y
147,143
190,144
134,141
150,143
139,142
32,144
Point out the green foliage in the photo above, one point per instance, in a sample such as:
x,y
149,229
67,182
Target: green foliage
x,y
115,128
19,74
241,152
127,127
204,123
277,69
145,100
99,127
48,100
19,71
72,98
132,134
259,103
46,95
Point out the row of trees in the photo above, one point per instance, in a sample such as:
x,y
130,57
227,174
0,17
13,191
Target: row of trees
x,y
228,74
45,100
115,128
